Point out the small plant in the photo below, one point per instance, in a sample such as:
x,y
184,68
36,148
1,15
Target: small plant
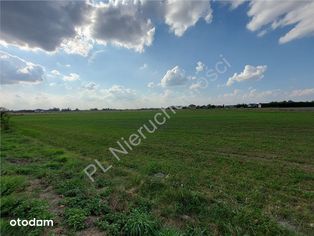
x,y
140,223
97,207
75,218
169,232
5,118
143,204
110,229
11,184
189,202
196,231
112,223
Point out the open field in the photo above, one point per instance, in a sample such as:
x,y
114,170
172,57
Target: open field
x,y
204,172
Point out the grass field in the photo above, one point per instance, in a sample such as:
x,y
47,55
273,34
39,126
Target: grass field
x,y
217,172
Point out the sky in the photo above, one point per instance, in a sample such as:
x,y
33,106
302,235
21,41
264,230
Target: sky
x,y
134,54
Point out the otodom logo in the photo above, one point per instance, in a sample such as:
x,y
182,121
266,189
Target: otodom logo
x,y
33,222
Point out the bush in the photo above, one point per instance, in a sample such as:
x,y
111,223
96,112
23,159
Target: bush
x,y
112,223
5,118
75,218
110,229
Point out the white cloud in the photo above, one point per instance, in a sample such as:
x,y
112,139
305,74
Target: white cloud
x,y
55,73
255,95
249,73
119,92
195,86
200,66
234,93
71,77
16,70
174,77
303,92
143,67
180,15
122,23
81,45
151,85
273,14
200,83
236,3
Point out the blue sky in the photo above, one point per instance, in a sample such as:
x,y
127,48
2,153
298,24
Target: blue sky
x,y
146,56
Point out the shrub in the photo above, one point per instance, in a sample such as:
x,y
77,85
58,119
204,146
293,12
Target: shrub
x,y
112,223
110,229
75,218
5,118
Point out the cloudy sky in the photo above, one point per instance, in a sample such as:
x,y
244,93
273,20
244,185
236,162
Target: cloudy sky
x,y
131,54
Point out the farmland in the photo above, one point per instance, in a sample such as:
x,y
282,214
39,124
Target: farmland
x,y
203,172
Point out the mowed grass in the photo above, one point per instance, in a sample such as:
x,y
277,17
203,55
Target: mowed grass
x,y
204,172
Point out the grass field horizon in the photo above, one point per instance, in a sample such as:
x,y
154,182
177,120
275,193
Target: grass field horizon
x,y
156,118
203,172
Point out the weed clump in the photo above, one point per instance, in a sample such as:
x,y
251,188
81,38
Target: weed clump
x,y
4,119
140,223
112,223
75,218
10,184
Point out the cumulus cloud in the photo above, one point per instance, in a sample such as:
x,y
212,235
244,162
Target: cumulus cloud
x,y
81,45
236,3
55,73
76,26
71,77
270,15
15,70
303,92
122,23
195,86
151,85
200,66
174,77
41,24
249,73
119,92
180,15
259,96
200,83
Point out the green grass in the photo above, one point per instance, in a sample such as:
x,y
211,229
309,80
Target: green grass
x,y
222,172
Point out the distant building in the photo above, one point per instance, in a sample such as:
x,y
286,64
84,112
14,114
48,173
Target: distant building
x,y
253,105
